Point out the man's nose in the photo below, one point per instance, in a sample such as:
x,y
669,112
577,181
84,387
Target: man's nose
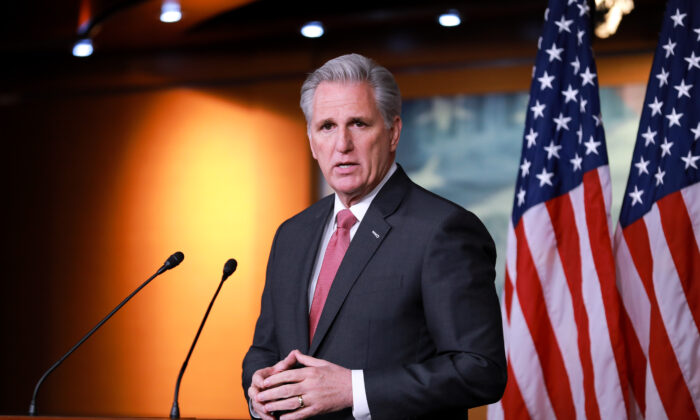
x,y
343,143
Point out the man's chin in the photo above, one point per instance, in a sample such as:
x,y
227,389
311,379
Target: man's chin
x,y
346,186
349,196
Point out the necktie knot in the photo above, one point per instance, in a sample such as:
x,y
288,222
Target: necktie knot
x,y
345,219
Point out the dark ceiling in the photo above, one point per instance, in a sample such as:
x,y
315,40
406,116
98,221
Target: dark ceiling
x,y
37,36
51,26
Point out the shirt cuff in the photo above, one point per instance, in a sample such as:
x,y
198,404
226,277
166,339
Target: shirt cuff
x,y
254,414
360,408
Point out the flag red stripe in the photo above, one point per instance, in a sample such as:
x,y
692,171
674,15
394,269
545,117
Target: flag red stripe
x,y
561,213
636,363
531,298
637,240
665,370
508,294
678,230
670,383
513,403
601,248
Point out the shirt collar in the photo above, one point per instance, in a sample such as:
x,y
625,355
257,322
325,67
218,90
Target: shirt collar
x,y
360,208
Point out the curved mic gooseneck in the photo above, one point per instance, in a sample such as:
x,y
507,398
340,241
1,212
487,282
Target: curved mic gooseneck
x,y
229,268
171,262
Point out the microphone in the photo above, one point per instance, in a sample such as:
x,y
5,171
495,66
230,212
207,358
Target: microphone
x,y
171,262
229,268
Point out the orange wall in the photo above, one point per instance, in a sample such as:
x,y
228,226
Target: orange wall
x,y
133,177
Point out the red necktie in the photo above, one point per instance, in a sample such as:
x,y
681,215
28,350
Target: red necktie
x,y
335,251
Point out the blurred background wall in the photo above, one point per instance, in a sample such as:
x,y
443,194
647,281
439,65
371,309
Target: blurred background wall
x,y
189,137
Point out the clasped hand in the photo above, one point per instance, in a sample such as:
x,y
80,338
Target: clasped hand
x,y
322,386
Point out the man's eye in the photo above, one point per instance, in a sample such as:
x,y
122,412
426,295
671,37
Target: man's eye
x,y
326,126
360,124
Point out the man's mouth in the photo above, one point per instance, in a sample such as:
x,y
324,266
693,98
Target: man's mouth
x,y
345,165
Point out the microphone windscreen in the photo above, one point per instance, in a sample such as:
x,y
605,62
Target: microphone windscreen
x,y
174,260
229,267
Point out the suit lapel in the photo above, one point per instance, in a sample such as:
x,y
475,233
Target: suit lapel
x,y
309,238
369,236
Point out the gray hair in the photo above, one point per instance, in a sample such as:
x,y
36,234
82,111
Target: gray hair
x,y
355,68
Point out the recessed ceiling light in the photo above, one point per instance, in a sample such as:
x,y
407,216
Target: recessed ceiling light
x,y
449,19
312,29
83,48
170,12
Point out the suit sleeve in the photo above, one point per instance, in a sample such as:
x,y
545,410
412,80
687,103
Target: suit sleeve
x,y
463,318
264,351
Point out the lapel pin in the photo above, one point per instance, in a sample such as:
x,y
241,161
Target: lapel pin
x,y
376,235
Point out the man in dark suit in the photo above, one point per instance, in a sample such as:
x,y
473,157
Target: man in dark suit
x,y
379,300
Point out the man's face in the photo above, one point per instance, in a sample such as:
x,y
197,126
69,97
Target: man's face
x,y
349,139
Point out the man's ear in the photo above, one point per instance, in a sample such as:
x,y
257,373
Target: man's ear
x,y
395,133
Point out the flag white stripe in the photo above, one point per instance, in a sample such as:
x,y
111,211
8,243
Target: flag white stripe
x,y
606,379
557,296
675,312
512,254
691,197
606,186
495,411
526,366
506,329
655,408
512,275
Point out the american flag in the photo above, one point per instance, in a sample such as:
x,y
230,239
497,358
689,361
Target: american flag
x,y
561,307
656,242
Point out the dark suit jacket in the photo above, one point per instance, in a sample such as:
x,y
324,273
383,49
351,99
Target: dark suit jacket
x,y
413,304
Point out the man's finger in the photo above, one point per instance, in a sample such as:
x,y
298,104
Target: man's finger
x,y
260,375
279,393
261,411
288,376
285,363
286,404
258,408
308,360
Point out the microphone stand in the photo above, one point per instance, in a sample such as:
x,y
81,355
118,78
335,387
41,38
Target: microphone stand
x,y
229,268
171,262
